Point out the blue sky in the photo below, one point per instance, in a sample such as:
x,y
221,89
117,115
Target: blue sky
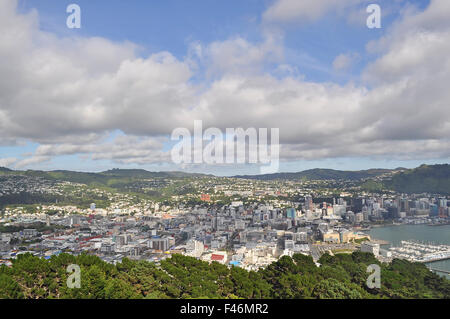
x,y
171,25
155,25
310,47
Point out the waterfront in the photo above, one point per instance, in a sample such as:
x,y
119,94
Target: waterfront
x,y
425,233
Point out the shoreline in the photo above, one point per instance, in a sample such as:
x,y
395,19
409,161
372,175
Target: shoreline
x,y
392,225
426,234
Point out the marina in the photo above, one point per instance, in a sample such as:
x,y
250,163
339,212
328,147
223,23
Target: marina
x,y
440,271
416,233
415,251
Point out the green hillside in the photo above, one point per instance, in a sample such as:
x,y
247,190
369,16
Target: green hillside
x,y
321,174
341,276
423,179
106,178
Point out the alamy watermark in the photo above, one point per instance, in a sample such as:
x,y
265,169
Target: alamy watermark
x,y
374,19
74,280
74,19
374,279
236,146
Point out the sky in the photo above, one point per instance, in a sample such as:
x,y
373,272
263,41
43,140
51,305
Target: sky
x,y
110,94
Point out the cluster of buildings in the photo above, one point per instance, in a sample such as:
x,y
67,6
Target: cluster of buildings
x,y
259,222
18,184
249,236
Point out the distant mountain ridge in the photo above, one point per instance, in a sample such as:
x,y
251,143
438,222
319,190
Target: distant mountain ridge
x,y
102,178
423,179
148,174
322,174
312,174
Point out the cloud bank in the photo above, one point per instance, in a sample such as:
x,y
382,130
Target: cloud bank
x,y
69,94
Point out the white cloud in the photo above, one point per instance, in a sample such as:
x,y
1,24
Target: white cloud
x,y
344,62
410,98
33,160
7,162
70,100
122,149
52,87
237,55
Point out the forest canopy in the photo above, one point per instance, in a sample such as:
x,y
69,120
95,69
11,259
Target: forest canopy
x,y
339,276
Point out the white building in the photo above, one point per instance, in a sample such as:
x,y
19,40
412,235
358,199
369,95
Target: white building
x,y
369,247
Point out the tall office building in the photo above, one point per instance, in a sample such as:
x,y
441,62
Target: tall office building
x,y
308,202
290,213
339,210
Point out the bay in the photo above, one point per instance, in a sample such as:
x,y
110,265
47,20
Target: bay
x,y
425,233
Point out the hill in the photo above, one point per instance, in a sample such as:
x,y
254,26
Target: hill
x,y
102,178
321,174
5,171
423,179
142,173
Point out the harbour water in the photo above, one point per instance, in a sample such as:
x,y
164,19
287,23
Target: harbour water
x,y
425,233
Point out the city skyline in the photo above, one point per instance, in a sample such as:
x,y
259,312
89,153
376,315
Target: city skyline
x,y
328,238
